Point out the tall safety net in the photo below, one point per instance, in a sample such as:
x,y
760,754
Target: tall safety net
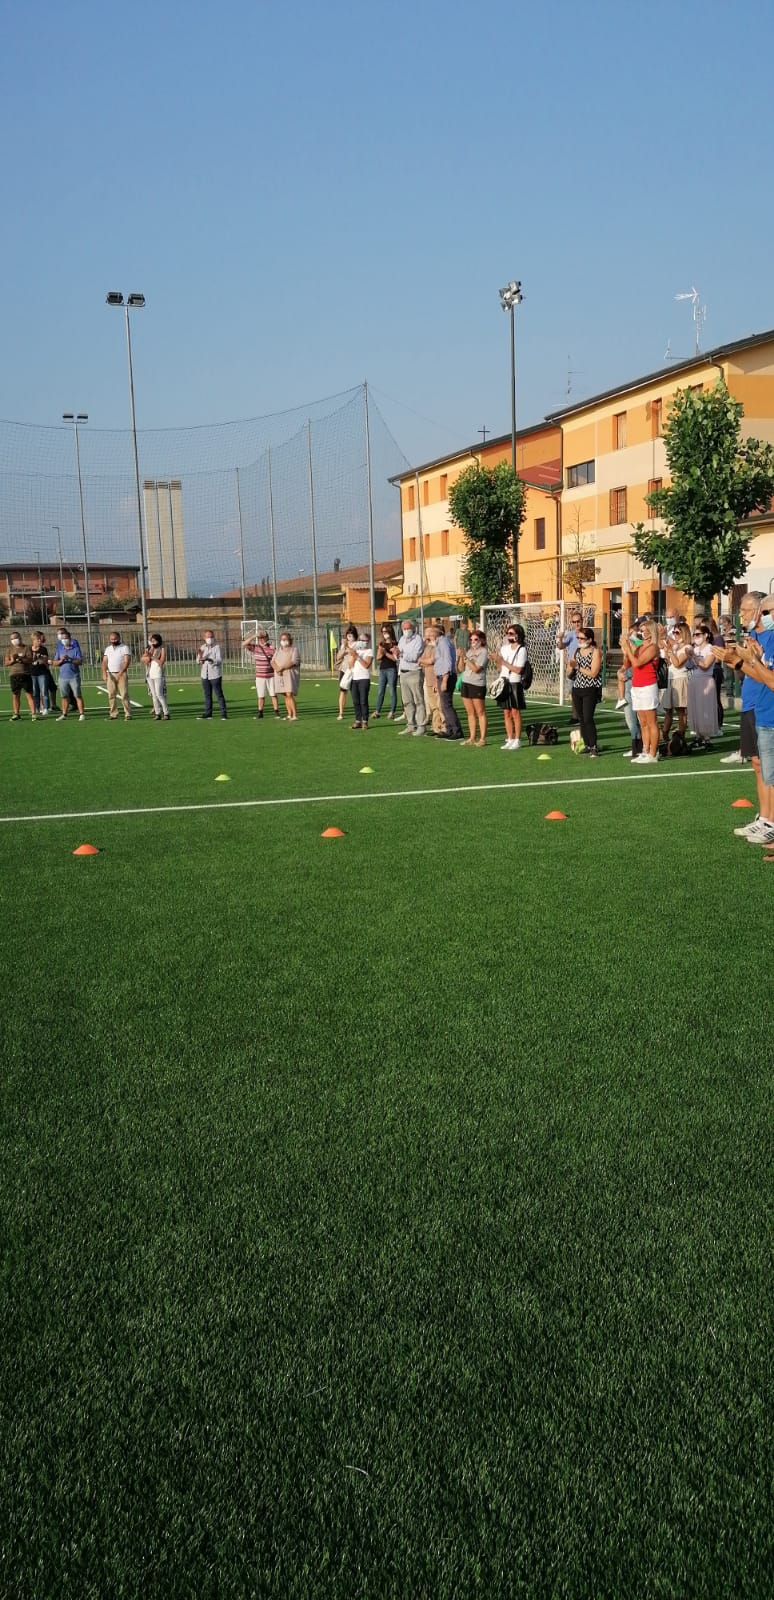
x,y
543,623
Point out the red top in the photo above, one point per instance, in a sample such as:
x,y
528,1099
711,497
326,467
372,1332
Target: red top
x,y
647,674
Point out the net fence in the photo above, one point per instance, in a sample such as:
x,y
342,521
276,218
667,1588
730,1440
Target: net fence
x,y
221,505
544,623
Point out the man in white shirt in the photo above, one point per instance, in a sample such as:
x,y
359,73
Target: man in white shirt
x,y
115,668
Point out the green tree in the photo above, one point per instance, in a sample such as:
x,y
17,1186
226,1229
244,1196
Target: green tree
x,y
718,480
488,503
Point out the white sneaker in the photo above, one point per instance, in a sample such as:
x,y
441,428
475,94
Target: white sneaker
x,y
61,717
82,717
507,745
741,833
629,755
760,832
44,712
409,729
736,759
620,703
515,744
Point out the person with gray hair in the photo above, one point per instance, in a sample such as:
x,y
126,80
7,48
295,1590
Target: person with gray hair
x,y
446,677
410,650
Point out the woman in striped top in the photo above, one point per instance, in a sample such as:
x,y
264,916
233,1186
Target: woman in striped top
x,y
587,687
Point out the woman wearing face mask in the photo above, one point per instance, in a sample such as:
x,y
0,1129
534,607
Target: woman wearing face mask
x,y
387,662
702,697
287,673
344,666
641,650
155,658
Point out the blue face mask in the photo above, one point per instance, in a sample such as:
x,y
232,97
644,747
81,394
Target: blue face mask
x,y
766,622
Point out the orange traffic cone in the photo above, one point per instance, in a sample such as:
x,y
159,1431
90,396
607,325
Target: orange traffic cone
x,y
331,833
555,816
86,850
741,805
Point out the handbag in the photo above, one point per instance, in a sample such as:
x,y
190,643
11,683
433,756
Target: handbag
x,y
498,688
346,678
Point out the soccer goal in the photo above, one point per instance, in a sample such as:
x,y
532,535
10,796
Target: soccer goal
x,y
544,623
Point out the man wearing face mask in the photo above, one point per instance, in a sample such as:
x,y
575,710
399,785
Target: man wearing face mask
x,y
757,707
18,659
211,663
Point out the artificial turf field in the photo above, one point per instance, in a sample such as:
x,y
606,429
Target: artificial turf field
x,y
386,1215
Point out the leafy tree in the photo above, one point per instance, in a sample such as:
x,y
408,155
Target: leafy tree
x,y
579,567
718,480
488,503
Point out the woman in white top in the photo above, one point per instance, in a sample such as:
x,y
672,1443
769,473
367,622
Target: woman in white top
x,y
513,659
155,659
360,659
474,661
702,696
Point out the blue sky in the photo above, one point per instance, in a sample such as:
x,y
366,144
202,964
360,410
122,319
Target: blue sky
x,y
310,195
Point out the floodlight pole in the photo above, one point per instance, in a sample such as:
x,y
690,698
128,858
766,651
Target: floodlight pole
x,y
76,419
273,550
372,594
511,297
313,528
135,302
241,549
421,554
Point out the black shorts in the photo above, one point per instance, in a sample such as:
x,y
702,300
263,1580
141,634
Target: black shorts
x,y
21,683
748,737
513,699
473,691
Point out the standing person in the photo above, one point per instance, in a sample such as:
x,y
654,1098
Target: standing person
x,y
410,651
115,674
387,662
512,659
361,657
50,679
344,666
641,649
262,652
567,643
731,655
433,710
18,659
155,659
702,693
587,687
68,658
677,650
445,664
287,673
41,674
756,658
211,662
475,658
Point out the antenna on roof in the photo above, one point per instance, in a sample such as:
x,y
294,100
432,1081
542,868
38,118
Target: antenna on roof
x,y
699,315
572,372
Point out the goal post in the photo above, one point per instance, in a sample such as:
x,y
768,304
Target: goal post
x,y
544,623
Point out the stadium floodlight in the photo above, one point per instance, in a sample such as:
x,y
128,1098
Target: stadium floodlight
x,y
77,419
134,302
510,297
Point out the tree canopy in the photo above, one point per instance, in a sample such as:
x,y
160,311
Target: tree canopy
x,y
488,503
718,479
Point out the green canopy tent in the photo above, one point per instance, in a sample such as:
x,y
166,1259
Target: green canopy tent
x,y
432,611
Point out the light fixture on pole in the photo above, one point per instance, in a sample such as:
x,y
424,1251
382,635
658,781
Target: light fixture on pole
x,y
134,302
55,529
77,418
511,297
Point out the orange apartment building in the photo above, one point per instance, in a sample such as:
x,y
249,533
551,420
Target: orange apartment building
x,y
588,469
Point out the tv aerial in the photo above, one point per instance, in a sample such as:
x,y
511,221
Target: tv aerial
x,y
699,313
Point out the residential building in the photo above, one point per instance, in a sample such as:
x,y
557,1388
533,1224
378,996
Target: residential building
x,y
28,584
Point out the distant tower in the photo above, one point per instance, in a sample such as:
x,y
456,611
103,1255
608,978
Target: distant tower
x,y
167,576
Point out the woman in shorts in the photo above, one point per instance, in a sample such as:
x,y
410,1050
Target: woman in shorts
x,y
677,651
512,661
641,649
474,661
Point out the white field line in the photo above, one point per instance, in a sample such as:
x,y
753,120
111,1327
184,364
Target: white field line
x,y
379,794
136,703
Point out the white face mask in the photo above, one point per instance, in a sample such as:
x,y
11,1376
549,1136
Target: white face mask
x,y
208,639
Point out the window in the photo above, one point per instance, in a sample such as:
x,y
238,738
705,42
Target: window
x,y
619,431
412,549
412,503
444,485
534,598
445,542
654,484
580,474
617,506
656,418
540,533
426,492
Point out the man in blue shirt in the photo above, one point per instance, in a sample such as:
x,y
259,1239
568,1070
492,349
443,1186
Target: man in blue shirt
x,y
755,656
446,676
68,658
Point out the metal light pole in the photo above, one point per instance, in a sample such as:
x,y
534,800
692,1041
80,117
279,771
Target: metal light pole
x,y
77,418
134,302
241,551
61,570
43,606
511,297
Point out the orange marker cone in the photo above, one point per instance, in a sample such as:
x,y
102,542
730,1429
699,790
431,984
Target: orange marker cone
x,y
331,833
86,850
555,816
741,805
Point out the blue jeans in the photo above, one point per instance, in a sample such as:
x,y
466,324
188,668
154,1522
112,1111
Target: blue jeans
x,y
632,720
388,675
40,690
210,685
766,753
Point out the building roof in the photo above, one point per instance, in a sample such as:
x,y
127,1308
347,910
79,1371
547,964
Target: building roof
x,y
475,450
346,578
95,565
704,358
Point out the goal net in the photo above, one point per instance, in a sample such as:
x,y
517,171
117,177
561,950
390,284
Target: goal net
x,y
544,622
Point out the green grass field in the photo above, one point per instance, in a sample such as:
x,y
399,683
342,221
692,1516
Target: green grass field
x,y
388,1215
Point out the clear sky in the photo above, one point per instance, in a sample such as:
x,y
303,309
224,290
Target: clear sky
x,y
314,194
